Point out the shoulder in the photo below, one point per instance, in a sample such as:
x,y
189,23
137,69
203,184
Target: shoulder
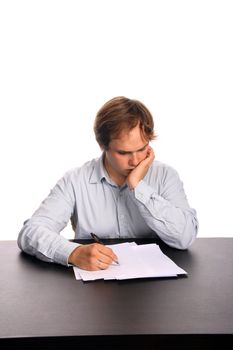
x,y
162,168
84,170
77,174
73,179
162,172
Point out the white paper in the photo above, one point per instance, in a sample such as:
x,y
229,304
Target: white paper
x,y
135,261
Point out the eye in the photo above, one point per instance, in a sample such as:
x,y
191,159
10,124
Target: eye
x,y
122,153
142,149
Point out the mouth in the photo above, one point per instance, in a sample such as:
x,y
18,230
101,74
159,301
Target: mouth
x,y
129,170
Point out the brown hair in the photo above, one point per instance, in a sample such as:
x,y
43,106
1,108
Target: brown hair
x,y
122,113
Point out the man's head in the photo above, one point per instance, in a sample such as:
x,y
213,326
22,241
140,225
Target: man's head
x,y
121,113
123,129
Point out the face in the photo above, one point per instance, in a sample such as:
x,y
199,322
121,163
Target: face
x,y
125,153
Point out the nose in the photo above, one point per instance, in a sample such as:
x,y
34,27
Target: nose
x,y
133,160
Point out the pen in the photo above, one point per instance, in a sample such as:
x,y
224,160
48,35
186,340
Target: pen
x,y
97,240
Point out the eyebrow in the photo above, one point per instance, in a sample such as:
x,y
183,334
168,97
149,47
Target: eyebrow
x,y
127,152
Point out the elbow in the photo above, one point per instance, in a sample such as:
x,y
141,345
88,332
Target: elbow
x,y
183,244
187,236
181,232
22,237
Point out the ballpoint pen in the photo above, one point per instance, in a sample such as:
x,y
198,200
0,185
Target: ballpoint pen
x,y
97,240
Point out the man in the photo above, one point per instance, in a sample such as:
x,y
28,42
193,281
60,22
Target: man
x,y
125,193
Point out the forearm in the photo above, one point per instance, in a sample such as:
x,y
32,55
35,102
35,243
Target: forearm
x,y
45,244
175,225
40,235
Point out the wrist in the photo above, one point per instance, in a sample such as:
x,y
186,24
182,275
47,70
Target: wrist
x,y
73,256
132,184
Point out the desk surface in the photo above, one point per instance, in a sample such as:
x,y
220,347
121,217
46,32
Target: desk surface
x,y
43,302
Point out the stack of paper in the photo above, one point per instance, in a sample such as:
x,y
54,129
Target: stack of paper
x,y
135,261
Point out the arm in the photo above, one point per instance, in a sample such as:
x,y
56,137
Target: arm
x,y
40,235
167,213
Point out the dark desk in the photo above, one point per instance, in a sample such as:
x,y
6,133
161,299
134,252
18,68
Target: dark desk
x,y
44,307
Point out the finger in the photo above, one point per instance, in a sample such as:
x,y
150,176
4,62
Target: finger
x,y
102,253
150,152
102,265
107,255
150,156
108,259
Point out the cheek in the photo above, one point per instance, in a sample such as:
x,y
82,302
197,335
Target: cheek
x,y
121,161
143,155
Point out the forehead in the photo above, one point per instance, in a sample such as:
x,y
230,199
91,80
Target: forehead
x,y
129,140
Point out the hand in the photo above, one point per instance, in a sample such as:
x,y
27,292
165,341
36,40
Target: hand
x,y
139,172
92,257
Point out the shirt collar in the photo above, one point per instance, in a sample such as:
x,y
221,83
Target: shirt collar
x,y
99,173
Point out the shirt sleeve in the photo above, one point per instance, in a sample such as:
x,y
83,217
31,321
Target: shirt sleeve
x,y
40,235
168,213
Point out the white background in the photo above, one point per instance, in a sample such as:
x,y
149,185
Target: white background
x,y
61,60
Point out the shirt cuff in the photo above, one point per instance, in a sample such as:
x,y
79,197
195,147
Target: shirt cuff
x,y
142,192
63,252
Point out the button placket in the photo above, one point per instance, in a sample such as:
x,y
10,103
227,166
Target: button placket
x,y
122,214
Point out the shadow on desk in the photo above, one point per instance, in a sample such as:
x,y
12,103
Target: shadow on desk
x,y
184,260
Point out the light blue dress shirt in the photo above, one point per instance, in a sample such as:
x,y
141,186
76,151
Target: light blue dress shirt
x,y
156,207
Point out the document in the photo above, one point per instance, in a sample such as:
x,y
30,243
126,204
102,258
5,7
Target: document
x,y
135,261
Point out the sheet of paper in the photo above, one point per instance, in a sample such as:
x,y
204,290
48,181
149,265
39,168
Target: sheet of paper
x,y
135,261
